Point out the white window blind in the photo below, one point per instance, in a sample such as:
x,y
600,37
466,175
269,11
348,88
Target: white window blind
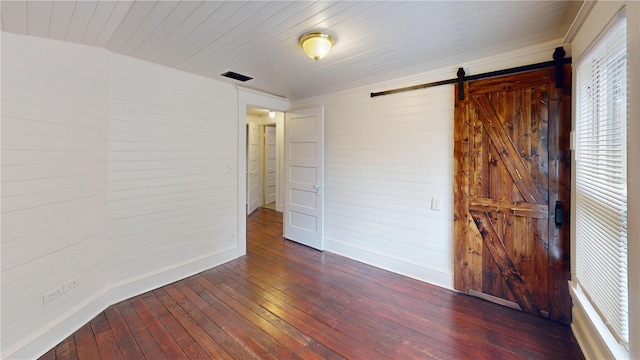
x,y
601,177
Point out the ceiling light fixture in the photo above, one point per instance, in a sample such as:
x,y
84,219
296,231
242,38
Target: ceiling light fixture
x,y
316,44
272,114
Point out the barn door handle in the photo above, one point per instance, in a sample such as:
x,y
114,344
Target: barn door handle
x,y
559,218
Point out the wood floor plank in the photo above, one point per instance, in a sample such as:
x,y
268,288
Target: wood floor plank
x,y
277,342
377,337
330,305
296,319
148,346
67,349
239,324
129,348
500,335
211,348
106,341
307,287
86,343
237,291
287,301
285,333
187,343
237,345
300,314
161,335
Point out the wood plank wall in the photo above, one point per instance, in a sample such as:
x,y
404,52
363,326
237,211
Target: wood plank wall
x,y
172,137
386,159
54,178
114,170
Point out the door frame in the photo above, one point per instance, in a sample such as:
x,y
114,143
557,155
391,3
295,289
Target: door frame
x,y
257,99
258,171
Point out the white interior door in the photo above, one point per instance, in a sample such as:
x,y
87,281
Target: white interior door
x,y
270,165
254,193
304,166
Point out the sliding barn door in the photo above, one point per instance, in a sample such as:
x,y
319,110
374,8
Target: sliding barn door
x,y
512,178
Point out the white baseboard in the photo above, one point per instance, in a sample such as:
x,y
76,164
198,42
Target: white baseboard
x,y
593,336
57,330
404,267
66,324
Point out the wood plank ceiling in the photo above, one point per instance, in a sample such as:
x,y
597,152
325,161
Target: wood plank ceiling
x,y
376,40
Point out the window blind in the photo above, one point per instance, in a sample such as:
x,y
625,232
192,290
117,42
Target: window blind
x,y
601,177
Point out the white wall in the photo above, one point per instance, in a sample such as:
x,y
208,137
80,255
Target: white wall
x,y
585,326
54,180
170,190
386,158
115,172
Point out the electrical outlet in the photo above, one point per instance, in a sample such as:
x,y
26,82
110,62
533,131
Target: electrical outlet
x,y
232,237
70,285
48,296
52,294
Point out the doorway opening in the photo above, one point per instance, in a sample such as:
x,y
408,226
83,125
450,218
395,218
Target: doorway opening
x,y
264,159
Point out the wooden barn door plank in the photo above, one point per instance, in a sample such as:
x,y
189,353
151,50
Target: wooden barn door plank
x,y
511,164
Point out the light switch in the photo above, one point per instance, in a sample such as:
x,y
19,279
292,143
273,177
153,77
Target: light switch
x,y
435,204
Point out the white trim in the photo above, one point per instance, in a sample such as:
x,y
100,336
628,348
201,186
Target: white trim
x,y
252,98
1,192
580,18
633,171
400,266
594,24
596,21
255,98
593,336
57,330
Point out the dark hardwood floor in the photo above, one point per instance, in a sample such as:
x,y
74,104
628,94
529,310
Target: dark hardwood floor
x,y
286,301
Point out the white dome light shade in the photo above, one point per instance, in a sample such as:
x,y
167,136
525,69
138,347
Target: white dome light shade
x,y
317,44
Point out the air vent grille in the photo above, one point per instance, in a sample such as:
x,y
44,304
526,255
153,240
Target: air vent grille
x,y
236,76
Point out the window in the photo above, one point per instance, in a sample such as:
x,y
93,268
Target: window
x,y
601,178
